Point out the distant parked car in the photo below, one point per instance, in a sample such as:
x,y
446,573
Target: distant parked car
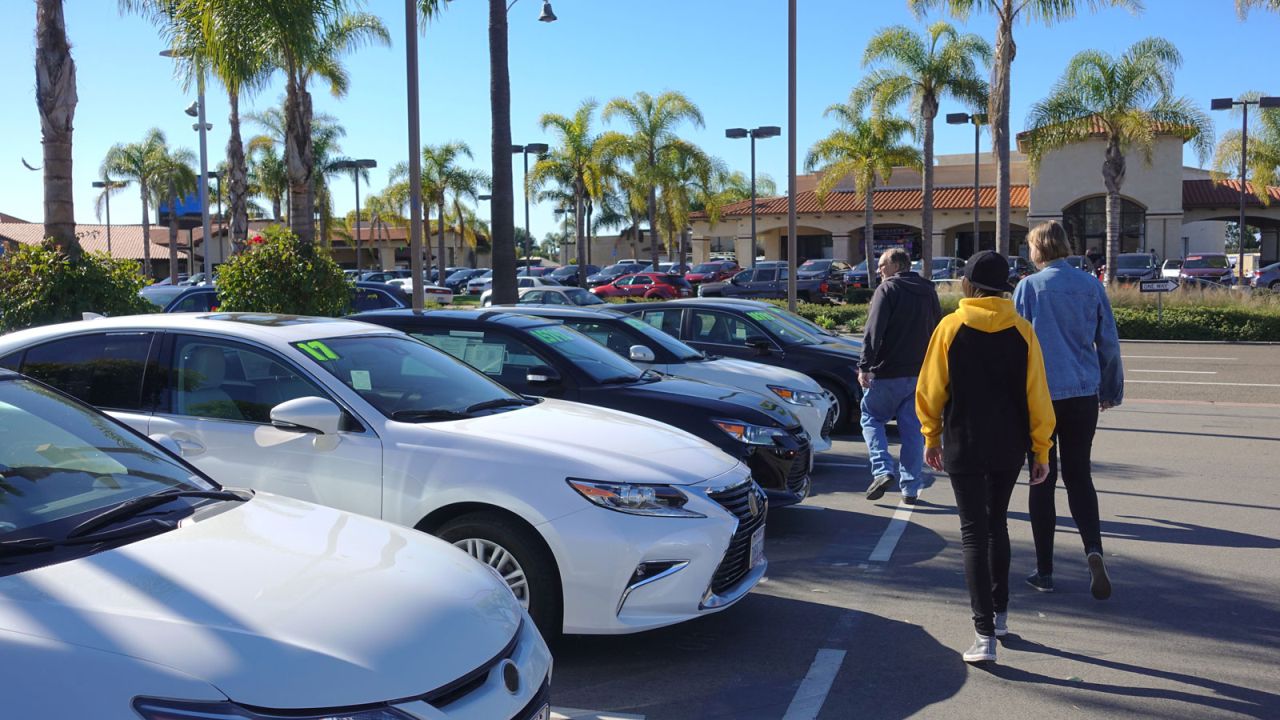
x,y
568,274
181,298
382,276
477,283
1081,262
364,296
562,295
663,267
1203,268
611,273
769,280
182,277
856,276
457,282
1171,269
713,271
1267,277
1019,267
645,285
947,267
1134,267
521,282
533,270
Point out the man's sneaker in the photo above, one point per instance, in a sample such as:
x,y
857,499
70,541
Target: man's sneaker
x,y
876,489
1002,624
1099,583
1043,583
909,499
982,650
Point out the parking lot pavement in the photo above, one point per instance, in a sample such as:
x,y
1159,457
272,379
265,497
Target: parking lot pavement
x,y
1207,372
1189,503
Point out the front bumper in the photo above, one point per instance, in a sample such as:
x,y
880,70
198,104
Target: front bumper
x,y
599,552
783,471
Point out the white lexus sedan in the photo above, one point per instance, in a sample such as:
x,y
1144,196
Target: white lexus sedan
x,y
599,521
133,586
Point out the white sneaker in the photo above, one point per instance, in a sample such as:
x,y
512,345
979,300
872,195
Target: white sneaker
x,y
983,650
1002,624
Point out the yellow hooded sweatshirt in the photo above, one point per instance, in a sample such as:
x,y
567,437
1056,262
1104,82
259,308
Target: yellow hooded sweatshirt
x,y
982,393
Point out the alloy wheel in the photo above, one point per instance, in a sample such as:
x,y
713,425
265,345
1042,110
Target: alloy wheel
x,y
502,561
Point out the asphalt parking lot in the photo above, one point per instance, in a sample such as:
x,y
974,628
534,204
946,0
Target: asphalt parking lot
x,y
864,612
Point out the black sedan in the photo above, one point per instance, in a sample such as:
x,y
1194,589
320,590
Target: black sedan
x,y
743,329
1134,267
544,358
611,273
568,274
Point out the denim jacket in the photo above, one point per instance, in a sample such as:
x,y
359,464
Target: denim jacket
x,y
1072,317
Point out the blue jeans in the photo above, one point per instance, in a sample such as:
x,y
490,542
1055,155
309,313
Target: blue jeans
x,y
885,399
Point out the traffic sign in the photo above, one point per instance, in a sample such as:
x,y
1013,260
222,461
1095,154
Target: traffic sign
x,y
1162,285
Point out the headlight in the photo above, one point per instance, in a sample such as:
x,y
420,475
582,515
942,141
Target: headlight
x,y
153,709
655,500
796,397
751,434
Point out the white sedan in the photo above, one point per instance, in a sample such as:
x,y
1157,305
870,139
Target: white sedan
x,y
132,586
430,293
521,283
600,521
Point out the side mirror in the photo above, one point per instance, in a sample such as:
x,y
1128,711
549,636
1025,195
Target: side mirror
x,y
734,280
167,442
542,375
760,343
640,353
307,414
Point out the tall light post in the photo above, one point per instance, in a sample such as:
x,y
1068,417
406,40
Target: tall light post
x,y
764,131
537,149
196,110
107,185
356,166
222,220
564,242
978,120
1263,103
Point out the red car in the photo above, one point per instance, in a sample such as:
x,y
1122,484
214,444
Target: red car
x,y
713,271
646,285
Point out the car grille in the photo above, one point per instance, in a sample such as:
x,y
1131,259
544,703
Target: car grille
x,y
737,500
829,424
469,683
542,698
799,472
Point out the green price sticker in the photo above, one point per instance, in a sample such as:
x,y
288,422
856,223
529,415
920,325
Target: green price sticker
x,y
551,336
760,315
317,350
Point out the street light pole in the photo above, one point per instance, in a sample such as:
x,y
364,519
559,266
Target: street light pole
x,y
1263,103
764,131
415,154
793,244
356,166
978,120
537,148
202,127
107,185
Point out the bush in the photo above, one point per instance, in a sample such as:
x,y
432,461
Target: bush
x,y
858,296
846,318
278,274
1198,323
42,286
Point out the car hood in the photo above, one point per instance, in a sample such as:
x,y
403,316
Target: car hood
x,y
744,373
811,274
1206,272
582,440
1134,272
719,285
278,603
715,399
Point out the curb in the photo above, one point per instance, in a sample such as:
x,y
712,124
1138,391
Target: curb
x,y
1202,342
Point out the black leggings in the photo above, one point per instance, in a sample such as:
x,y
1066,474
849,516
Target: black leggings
x,y
1077,423
983,503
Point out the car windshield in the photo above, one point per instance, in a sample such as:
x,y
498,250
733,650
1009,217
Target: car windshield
x,y
586,354
578,296
1134,262
162,295
783,327
706,268
1202,262
60,460
860,267
816,265
458,276
617,268
399,375
1173,264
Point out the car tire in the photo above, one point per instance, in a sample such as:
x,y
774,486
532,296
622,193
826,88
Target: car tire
x,y
1274,286
486,536
845,408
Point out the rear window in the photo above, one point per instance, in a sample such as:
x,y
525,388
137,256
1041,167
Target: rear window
x,y
1202,262
1134,262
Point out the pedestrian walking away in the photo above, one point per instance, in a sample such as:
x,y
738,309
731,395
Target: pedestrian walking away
x,y
904,311
984,404
1072,319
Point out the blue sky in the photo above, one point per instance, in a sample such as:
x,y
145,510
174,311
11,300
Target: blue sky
x,y
728,56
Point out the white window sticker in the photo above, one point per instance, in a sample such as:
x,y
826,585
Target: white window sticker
x,y
360,380
486,357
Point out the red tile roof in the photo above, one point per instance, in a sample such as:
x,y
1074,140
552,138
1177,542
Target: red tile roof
x,y
884,200
1213,194
126,240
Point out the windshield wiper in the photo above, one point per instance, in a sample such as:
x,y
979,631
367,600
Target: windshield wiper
x,y
424,415
146,502
497,403
22,546
622,380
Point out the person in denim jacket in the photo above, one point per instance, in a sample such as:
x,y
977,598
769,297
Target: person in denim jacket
x,y
1072,318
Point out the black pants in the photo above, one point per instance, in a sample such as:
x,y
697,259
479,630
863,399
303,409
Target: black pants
x,y
1077,423
983,502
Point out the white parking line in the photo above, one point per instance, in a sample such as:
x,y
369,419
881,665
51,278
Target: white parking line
x,y
812,693
1173,357
560,713
1179,372
892,534
1193,382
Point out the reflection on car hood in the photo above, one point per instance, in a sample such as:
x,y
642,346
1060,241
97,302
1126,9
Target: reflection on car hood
x,y
278,603
723,401
750,373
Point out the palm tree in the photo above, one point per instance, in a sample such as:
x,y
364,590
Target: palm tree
x,y
653,122
56,103
267,146
576,161
269,178
921,71
865,149
1131,99
1264,151
139,163
443,180
1007,12
1244,6
174,179
686,174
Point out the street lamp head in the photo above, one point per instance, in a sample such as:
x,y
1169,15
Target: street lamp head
x,y
537,148
957,118
548,15
767,131
484,197
366,164
193,109
99,184
1221,103
1269,102
736,133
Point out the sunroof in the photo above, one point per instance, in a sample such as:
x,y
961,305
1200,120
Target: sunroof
x,y
268,320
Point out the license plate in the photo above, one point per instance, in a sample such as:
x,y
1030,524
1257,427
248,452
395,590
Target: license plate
x,y
757,546
542,714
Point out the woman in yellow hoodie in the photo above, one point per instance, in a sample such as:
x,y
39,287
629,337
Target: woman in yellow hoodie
x,y
983,405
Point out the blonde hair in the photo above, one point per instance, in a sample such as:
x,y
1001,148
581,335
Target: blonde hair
x,y
1048,242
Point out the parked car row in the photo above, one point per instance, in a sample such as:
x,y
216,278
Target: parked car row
x,y
364,296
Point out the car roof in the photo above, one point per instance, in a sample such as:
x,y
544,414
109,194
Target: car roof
x,y
263,327
560,311
482,315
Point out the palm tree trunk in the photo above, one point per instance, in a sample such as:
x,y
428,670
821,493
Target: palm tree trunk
x,y
238,182
1113,176
869,234
440,262
173,234
299,156
579,237
502,206
928,112
653,227
588,224
999,110
56,102
146,232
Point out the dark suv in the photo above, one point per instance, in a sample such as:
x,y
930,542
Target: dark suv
x,y
769,280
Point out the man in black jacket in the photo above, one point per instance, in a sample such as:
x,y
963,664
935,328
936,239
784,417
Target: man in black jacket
x,y
904,313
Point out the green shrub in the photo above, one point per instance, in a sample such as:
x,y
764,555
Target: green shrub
x,y
278,274
39,285
1198,323
858,296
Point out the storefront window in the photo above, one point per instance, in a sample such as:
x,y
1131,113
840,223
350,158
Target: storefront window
x,y
1086,225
